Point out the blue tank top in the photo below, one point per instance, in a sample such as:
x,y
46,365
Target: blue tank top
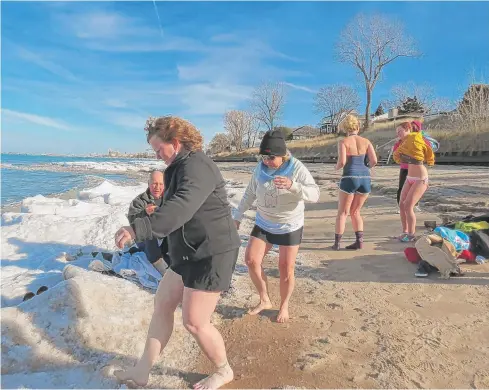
x,y
355,166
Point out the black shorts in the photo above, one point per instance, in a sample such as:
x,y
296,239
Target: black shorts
x,y
286,239
210,274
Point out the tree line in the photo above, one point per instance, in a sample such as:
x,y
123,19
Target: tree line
x,y
369,43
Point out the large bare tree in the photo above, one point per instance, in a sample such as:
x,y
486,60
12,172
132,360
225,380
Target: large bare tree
x,y
268,102
333,102
240,127
370,43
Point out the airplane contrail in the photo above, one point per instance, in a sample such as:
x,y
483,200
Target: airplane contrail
x,y
159,20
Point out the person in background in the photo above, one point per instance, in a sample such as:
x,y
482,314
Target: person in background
x,y
203,245
414,151
280,184
144,205
355,185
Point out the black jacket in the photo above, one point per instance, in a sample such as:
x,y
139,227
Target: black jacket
x,y
137,209
195,214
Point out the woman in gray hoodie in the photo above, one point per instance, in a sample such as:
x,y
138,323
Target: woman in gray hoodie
x,y
280,185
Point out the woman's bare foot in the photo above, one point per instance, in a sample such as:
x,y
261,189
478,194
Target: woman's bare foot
x,y
263,305
223,375
283,314
137,374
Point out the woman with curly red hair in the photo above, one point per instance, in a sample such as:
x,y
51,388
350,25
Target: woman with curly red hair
x,y
203,242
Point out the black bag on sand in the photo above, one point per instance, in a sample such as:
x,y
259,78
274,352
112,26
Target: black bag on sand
x,y
479,242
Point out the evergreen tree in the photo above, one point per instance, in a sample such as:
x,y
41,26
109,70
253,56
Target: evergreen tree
x,y
410,105
379,111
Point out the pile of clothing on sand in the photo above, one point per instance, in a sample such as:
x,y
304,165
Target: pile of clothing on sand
x,y
131,264
449,245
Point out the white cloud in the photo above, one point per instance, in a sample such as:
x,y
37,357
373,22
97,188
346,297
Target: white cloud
x,y
243,62
116,103
102,25
212,99
128,120
99,23
105,30
23,117
37,59
221,78
150,44
301,88
224,38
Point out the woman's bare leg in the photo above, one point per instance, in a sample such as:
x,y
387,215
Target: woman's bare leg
x,y
357,220
286,265
255,252
402,206
416,192
197,309
167,298
344,203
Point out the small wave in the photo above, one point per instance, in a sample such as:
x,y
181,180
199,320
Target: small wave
x,y
132,166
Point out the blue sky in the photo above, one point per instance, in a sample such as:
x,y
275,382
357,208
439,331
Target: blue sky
x,y
82,77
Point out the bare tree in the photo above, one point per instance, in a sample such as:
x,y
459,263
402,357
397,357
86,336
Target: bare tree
x,y
472,112
268,102
336,101
240,127
252,126
219,143
424,94
370,43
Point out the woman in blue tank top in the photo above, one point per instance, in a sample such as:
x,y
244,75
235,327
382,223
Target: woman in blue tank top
x,y
355,181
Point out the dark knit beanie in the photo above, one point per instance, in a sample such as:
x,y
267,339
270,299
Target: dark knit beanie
x,y
273,143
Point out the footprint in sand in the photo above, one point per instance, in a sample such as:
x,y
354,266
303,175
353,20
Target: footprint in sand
x,y
481,380
334,306
357,309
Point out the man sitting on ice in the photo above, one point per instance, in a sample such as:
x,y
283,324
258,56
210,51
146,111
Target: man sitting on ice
x,y
146,204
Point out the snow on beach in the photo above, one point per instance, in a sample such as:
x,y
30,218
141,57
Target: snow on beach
x,y
86,323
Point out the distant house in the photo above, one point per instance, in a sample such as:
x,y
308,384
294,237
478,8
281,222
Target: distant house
x,y
394,115
328,127
305,132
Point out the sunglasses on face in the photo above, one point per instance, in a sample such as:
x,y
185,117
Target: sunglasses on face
x,y
266,157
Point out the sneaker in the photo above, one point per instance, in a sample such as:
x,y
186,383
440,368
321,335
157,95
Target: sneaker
x,y
407,238
421,274
423,269
401,236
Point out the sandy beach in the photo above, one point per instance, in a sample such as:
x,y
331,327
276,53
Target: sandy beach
x,y
359,319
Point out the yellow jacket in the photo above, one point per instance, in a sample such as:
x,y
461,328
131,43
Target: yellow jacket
x,y
414,146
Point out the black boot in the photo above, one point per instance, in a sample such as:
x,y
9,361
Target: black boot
x,y
337,239
358,244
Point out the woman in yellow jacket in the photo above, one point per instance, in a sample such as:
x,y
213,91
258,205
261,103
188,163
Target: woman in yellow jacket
x,y
414,151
